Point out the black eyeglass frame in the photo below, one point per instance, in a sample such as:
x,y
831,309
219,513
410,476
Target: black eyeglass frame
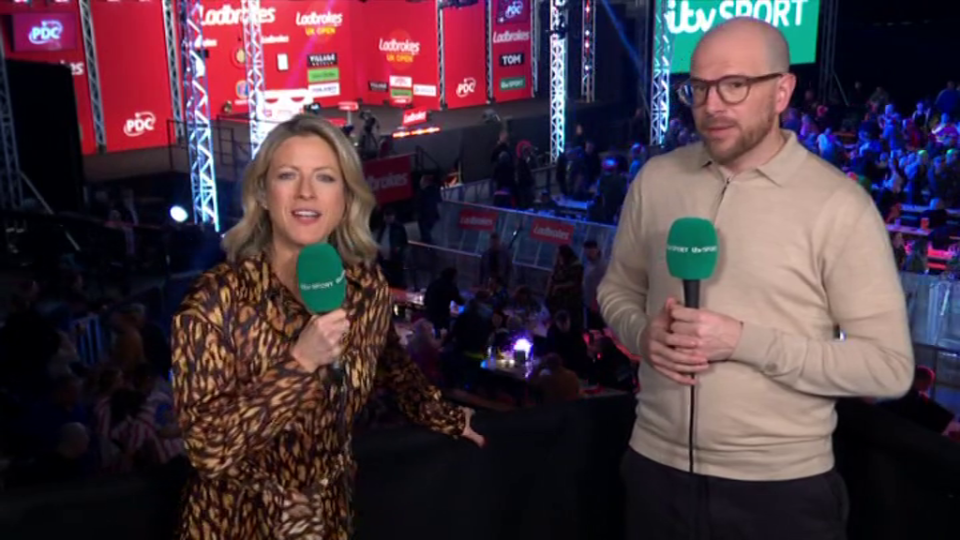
x,y
715,83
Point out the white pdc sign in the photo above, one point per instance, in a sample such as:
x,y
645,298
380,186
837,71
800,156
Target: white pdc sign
x,y
141,123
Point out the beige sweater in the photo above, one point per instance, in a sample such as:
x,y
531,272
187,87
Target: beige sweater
x,y
802,249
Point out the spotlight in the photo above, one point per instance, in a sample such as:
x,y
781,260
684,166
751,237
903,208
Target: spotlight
x,y
178,214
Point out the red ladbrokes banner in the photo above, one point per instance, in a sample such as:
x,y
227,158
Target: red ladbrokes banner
x,y
475,219
551,232
307,53
512,37
397,51
390,178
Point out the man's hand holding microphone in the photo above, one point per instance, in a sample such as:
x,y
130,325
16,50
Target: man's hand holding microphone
x,y
682,339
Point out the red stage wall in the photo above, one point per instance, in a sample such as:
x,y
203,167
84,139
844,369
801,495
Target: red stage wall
x,y
305,44
134,83
465,58
397,51
512,50
74,57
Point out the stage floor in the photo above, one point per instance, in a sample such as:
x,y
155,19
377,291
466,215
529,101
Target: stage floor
x,y
392,117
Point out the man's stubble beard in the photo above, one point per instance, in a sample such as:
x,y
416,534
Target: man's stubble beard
x,y
750,136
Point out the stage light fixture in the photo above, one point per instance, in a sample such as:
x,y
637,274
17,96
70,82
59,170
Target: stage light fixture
x,y
178,214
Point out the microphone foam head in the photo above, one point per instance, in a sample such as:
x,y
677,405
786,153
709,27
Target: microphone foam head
x,y
692,249
320,276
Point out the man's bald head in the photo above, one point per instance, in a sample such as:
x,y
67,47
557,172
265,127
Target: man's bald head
x,y
748,34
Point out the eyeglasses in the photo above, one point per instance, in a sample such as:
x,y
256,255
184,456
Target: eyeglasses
x,y
732,89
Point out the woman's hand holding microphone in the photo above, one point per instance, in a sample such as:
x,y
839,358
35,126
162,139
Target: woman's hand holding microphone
x,y
319,343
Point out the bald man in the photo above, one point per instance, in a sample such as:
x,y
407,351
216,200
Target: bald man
x,y
733,432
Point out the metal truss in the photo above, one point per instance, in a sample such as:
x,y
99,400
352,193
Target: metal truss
x,y
488,6
660,80
587,52
11,189
828,48
534,47
558,78
170,40
93,74
203,180
441,58
253,57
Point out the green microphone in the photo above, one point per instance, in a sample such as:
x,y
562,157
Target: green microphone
x,y
322,281
692,255
320,276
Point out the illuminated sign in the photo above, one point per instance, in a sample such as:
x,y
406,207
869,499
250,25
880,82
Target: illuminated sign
x,y
414,117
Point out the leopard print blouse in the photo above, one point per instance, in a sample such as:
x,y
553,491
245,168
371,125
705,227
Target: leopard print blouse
x,y
270,442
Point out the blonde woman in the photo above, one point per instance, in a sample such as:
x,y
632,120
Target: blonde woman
x,y
265,422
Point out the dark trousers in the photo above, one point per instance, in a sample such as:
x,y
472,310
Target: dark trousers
x,y
664,503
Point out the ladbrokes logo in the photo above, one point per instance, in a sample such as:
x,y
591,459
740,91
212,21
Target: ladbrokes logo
x,y
48,32
511,37
322,26
470,221
378,183
229,16
399,50
141,123
404,47
550,232
319,19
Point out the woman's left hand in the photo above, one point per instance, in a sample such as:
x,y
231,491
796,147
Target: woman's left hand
x,y
468,432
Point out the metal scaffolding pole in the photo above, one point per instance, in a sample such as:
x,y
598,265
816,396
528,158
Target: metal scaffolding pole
x,y
173,68
441,59
660,79
588,52
828,49
93,74
253,58
11,190
203,185
558,77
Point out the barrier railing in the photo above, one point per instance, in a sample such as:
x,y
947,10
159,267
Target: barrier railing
x,y
481,191
532,238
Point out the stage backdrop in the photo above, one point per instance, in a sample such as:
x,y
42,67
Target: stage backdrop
x,y
465,58
134,83
50,33
307,47
397,49
512,36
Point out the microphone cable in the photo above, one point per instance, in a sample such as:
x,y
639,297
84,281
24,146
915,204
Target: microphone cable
x,y
695,509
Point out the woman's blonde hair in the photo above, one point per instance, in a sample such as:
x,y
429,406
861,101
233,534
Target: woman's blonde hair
x,y
352,237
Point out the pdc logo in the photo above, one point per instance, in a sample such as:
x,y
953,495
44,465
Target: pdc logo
x,y
513,59
141,123
466,87
48,32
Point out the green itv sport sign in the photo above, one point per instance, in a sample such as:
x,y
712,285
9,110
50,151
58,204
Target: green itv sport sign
x,y
688,20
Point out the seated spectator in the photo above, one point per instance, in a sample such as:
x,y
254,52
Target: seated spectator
x,y
424,350
564,340
523,303
136,439
557,384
